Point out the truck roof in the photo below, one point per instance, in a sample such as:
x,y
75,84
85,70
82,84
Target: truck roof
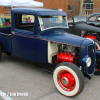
x,y
38,11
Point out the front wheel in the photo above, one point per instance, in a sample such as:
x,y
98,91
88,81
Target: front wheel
x,y
68,79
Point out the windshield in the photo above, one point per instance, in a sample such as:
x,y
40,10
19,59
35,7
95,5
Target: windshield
x,y
80,19
47,22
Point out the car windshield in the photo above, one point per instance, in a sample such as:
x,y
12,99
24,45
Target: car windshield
x,y
79,19
48,22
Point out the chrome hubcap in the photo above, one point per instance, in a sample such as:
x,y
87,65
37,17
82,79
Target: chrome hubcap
x,y
64,81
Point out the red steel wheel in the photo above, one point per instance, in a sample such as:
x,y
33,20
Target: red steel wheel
x,y
68,79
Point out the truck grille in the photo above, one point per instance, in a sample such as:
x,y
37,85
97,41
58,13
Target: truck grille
x,y
91,53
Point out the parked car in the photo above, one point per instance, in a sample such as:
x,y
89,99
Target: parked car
x,y
86,28
94,19
45,40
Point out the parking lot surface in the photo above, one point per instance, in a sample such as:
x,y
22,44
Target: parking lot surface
x,y
21,79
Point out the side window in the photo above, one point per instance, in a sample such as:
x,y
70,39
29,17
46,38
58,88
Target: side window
x,y
25,22
27,19
92,19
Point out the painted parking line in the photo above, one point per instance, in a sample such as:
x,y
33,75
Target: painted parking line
x,y
5,96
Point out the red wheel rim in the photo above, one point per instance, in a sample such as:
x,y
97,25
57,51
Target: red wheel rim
x,y
66,80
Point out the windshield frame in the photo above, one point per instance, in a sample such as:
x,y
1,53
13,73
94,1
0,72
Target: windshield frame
x,y
42,28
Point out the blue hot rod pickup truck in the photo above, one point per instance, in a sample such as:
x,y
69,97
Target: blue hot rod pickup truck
x,y
44,38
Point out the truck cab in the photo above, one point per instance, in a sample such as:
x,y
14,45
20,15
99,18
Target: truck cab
x,y
43,38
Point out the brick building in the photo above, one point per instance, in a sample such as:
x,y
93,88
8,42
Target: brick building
x,y
50,4
90,6
76,3
2,10
55,4
96,3
73,7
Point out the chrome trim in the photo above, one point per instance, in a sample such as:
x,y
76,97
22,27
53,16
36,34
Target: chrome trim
x,y
54,27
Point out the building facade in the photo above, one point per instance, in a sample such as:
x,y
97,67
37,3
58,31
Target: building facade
x,y
55,4
76,3
2,10
96,3
89,6
49,4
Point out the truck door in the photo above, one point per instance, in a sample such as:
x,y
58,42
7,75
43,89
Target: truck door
x,y
23,37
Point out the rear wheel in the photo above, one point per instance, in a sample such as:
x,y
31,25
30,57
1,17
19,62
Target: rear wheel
x,y
68,79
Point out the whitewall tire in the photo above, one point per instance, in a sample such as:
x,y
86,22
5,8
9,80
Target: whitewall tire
x,y
68,79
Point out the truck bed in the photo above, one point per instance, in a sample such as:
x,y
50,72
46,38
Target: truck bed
x,y
5,30
5,38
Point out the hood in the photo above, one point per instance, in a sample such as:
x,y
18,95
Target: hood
x,y
60,36
84,26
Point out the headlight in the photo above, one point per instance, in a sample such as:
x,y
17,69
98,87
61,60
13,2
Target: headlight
x,y
86,61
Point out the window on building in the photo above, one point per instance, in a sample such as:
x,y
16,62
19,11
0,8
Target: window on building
x,y
88,4
69,10
8,10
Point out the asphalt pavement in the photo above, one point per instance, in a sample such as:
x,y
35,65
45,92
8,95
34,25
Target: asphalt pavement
x,y
21,79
